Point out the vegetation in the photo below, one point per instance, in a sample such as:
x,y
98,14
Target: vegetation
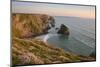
x,y
34,51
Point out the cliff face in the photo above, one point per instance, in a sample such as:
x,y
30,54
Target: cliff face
x,y
27,25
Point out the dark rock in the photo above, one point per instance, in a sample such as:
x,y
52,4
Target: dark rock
x,y
56,28
63,30
51,21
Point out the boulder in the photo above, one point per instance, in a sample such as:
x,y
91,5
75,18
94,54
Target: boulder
x,y
63,30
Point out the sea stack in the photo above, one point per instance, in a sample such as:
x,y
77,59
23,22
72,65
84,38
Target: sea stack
x,y
63,30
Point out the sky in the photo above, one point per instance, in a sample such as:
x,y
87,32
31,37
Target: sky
x,y
54,9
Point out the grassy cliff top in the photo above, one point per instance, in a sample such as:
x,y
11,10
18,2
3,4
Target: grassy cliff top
x,y
34,51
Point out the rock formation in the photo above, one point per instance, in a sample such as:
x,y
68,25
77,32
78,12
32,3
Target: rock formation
x,y
63,30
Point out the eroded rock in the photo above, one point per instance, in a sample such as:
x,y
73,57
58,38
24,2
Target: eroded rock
x,y
63,30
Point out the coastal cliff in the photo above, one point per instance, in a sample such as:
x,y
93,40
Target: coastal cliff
x,y
35,51
28,25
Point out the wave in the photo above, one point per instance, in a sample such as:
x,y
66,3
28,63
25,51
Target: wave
x,y
47,36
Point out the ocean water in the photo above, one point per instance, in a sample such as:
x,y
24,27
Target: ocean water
x,y
81,40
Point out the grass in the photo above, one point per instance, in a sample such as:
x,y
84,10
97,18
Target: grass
x,y
41,50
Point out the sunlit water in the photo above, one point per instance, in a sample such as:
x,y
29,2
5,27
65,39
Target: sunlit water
x,y
81,39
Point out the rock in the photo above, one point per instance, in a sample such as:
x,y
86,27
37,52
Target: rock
x,y
56,28
63,30
52,21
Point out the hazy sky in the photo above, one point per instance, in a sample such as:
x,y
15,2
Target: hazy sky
x,y
54,9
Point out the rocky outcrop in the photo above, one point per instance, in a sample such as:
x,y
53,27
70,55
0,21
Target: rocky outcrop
x,y
28,25
63,30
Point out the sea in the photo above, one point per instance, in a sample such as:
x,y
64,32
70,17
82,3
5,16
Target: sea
x,y
81,40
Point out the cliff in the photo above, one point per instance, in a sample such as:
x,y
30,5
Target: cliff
x,y
27,25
